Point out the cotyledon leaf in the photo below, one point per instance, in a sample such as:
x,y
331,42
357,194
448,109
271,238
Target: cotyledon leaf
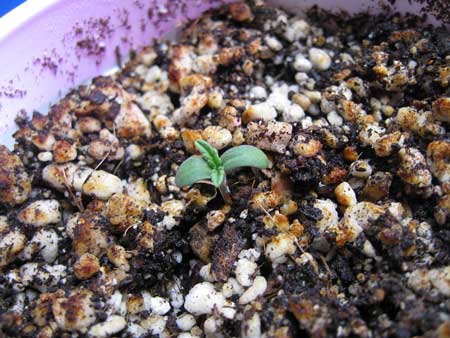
x,y
192,170
244,156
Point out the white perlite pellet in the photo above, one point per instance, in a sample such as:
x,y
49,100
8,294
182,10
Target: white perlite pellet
x,y
302,64
159,305
257,289
187,335
294,113
345,195
245,269
228,310
262,111
258,92
251,254
203,298
232,287
185,322
273,43
251,328
175,295
155,324
46,242
211,325
301,78
112,325
205,273
280,246
298,29
319,59
135,330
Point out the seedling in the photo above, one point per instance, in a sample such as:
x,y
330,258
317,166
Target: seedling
x,y
211,167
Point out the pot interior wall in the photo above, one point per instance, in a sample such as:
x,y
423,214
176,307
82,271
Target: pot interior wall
x,y
49,46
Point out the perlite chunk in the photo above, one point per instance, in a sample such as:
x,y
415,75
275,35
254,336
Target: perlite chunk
x,y
273,136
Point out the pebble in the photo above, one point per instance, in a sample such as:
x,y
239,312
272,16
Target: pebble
x,y
134,151
41,213
211,325
361,169
45,156
46,242
176,296
11,244
319,59
279,100
274,136
293,114
260,111
334,118
280,246
302,100
370,134
298,29
102,185
440,278
345,195
205,273
228,310
217,136
329,213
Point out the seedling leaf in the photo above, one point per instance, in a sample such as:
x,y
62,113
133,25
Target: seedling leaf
x,y
209,153
217,176
192,170
244,156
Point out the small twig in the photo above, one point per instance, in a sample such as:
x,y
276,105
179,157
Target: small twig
x,y
272,294
267,213
225,191
103,160
244,182
299,246
117,166
324,261
279,75
126,230
206,182
77,202
118,56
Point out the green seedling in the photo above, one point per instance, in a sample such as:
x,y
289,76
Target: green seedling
x,y
211,167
